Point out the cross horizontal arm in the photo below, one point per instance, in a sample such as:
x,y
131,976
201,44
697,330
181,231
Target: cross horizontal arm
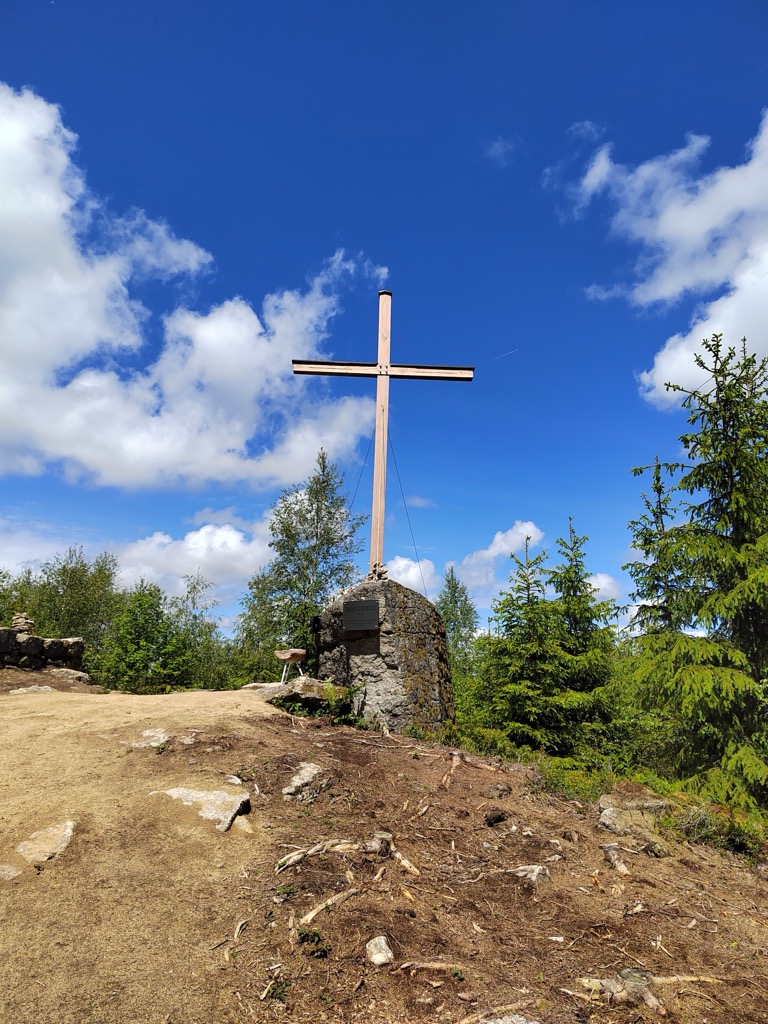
x,y
431,372
327,368
330,368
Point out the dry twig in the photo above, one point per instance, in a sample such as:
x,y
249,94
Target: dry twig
x,y
332,901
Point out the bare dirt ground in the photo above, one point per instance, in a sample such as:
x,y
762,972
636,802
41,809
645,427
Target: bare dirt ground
x,y
152,916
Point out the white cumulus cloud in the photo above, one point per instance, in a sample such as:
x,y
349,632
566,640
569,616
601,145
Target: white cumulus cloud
x,y
607,587
478,569
700,234
226,555
84,388
416,575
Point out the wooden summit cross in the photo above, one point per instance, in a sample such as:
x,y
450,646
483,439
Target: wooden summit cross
x,y
382,371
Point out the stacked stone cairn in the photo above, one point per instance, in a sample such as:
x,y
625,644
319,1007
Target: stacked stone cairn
x,y
21,647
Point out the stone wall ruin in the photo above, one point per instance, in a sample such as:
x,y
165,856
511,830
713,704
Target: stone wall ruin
x,y
22,648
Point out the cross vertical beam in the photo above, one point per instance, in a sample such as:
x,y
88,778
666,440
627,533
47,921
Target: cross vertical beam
x,y
382,370
381,434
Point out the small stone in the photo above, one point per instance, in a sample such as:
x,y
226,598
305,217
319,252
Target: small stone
x,y
47,843
8,871
33,689
152,738
533,873
379,951
308,782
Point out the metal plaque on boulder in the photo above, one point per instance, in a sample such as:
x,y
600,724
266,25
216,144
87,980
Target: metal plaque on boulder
x,y
360,615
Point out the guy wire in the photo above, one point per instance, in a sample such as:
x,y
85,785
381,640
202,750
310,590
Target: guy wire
x,y
362,468
407,514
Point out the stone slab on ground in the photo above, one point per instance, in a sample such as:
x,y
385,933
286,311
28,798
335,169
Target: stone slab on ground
x,y
308,693
71,675
47,843
211,804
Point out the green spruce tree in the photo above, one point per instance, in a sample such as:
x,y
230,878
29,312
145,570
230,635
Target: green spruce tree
x,y
702,583
541,679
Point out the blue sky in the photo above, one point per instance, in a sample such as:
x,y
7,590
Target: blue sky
x,y
566,196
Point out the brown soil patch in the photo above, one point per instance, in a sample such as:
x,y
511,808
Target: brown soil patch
x,y
140,920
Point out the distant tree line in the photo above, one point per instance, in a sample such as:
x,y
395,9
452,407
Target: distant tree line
x,y
142,640
136,638
675,697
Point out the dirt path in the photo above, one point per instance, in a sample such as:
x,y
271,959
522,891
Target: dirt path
x,y
153,916
117,928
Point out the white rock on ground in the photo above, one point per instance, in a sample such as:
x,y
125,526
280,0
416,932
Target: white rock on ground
x,y
152,738
71,675
8,871
379,952
33,689
308,782
47,843
213,805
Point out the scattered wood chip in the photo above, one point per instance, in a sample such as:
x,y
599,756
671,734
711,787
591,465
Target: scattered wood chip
x,y
420,813
631,985
404,863
611,851
239,928
456,760
332,901
495,1011
657,945
429,965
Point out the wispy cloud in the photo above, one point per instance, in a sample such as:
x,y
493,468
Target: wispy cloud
x,y
589,131
699,234
218,403
503,151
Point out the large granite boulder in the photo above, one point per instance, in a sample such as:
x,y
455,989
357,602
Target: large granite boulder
x,y
399,673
